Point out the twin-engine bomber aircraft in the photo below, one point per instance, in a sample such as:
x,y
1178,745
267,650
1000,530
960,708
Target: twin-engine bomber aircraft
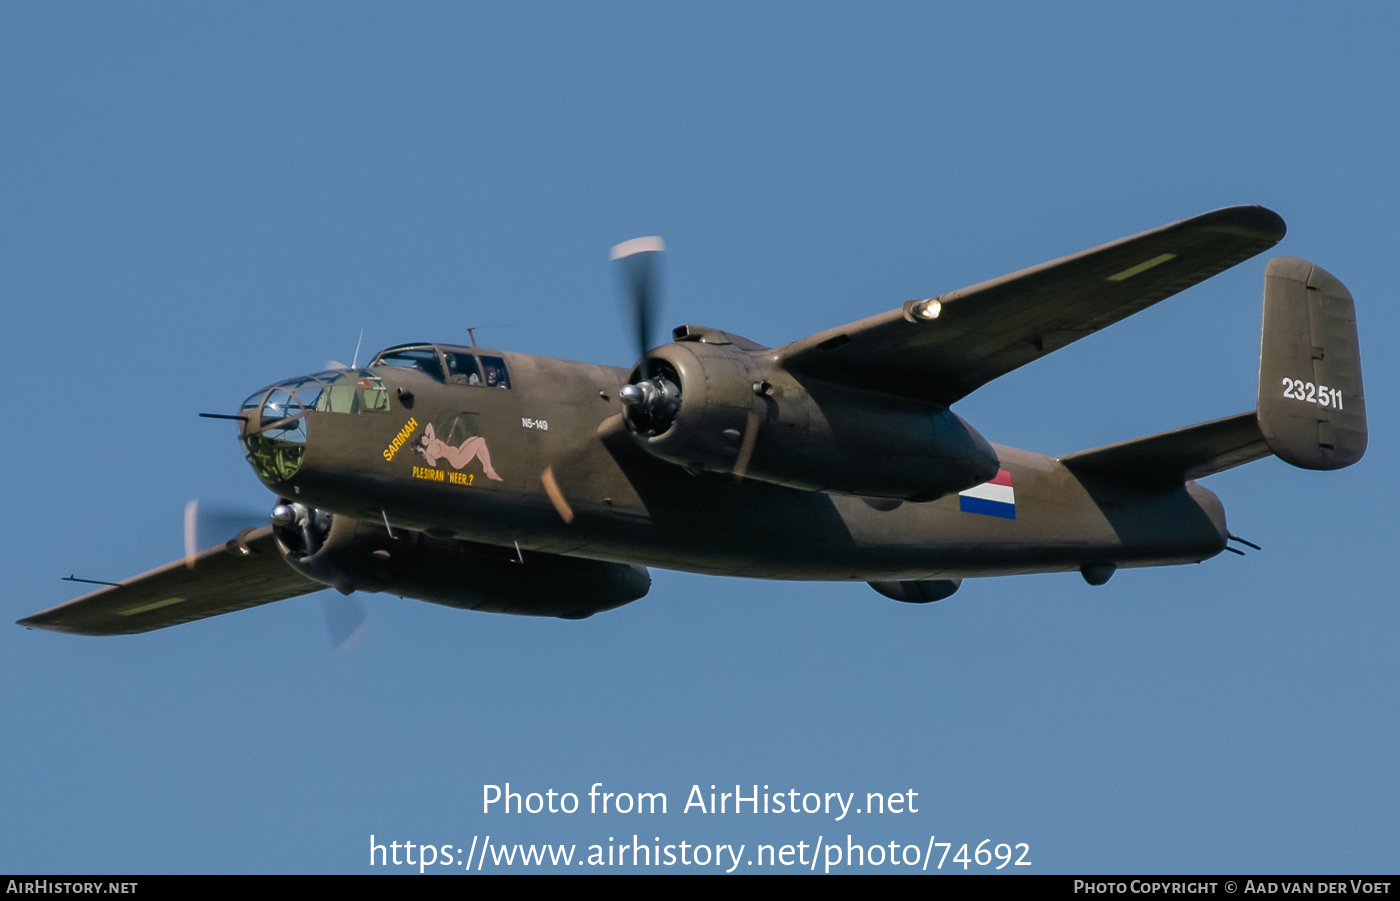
x,y
496,481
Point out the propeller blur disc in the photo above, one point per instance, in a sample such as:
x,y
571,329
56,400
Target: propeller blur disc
x,y
206,524
347,621
639,267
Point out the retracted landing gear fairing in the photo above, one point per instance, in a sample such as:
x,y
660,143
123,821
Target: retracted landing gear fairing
x,y
498,481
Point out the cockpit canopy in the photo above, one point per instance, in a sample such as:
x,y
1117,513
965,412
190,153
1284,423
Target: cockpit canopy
x,y
452,365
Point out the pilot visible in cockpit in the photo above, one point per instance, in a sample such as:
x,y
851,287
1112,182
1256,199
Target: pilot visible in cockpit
x,y
461,369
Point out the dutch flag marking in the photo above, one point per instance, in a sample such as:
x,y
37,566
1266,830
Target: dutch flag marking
x,y
994,498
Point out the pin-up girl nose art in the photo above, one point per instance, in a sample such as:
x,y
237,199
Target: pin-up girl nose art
x,y
432,448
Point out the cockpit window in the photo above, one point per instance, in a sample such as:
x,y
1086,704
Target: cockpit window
x,y
420,359
495,375
376,395
462,369
339,399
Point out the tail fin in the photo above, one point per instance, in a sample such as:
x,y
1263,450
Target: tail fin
x,y
1311,407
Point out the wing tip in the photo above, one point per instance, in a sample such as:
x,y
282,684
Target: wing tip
x,y
1258,220
35,621
55,624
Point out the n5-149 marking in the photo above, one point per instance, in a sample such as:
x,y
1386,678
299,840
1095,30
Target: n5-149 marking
x,y
534,424
1313,394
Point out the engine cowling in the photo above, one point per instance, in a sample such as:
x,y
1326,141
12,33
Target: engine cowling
x,y
354,555
714,401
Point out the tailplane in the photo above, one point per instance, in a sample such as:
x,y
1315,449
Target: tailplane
x,y
1311,409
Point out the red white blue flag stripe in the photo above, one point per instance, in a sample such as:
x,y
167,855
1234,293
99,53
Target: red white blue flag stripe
x,y
994,498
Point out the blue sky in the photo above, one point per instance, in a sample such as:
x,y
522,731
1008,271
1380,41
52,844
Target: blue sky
x,y
199,200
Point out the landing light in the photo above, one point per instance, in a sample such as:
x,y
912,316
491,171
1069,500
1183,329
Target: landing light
x,y
928,309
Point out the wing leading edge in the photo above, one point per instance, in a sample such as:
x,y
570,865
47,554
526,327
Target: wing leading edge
x,y
986,330
224,578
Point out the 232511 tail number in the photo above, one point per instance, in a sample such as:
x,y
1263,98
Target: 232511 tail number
x,y
1314,394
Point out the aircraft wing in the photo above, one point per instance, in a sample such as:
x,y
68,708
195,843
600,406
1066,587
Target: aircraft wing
x,y
1192,452
224,578
989,329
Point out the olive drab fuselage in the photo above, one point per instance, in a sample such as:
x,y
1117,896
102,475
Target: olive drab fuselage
x,y
571,480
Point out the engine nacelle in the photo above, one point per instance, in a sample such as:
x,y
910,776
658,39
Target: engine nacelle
x,y
354,555
714,401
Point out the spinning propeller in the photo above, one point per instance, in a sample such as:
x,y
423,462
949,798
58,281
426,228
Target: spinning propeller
x,y
654,399
346,617
639,267
216,521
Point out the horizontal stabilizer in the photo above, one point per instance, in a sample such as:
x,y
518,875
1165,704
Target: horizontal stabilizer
x,y
1181,454
224,578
